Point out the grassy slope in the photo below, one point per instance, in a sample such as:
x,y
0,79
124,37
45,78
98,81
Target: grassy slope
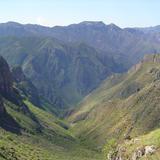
x,y
54,141
153,138
123,105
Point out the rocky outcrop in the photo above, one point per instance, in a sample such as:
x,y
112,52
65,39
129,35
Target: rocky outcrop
x,y
25,86
135,67
11,93
143,151
138,153
7,90
154,58
5,79
2,109
18,74
150,149
121,153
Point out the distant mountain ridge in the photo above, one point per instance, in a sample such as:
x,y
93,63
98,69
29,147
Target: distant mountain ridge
x,y
155,29
74,58
78,70
110,39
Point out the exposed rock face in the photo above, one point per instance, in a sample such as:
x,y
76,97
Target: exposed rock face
x,y
25,86
135,67
144,151
155,58
5,83
138,153
5,78
2,109
18,74
150,149
120,153
12,94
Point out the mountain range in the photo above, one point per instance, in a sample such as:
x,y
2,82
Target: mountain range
x,y
109,39
66,92
75,58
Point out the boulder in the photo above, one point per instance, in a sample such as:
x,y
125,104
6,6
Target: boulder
x,y
138,153
144,151
150,149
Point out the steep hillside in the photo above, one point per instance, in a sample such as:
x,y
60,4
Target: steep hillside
x,y
5,79
28,132
46,138
56,68
124,106
9,93
25,86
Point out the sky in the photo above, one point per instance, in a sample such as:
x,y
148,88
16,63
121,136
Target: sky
x,y
124,13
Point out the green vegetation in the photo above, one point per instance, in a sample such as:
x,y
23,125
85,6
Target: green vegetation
x,y
129,147
124,108
56,68
109,148
29,132
53,141
120,109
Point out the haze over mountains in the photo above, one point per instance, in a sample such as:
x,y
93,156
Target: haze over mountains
x,y
75,58
96,34
65,91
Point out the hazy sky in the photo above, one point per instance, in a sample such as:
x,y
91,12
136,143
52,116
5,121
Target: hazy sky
x,y
125,13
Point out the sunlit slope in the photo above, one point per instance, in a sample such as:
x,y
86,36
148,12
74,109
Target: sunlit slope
x,y
47,138
123,106
129,148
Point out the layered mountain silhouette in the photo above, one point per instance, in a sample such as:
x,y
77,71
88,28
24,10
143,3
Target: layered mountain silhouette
x,y
75,58
66,91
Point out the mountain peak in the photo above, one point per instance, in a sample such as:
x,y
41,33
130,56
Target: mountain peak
x,y
113,26
93,23
11,23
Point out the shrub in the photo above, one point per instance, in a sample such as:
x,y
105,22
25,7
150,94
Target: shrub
x,y
110,148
